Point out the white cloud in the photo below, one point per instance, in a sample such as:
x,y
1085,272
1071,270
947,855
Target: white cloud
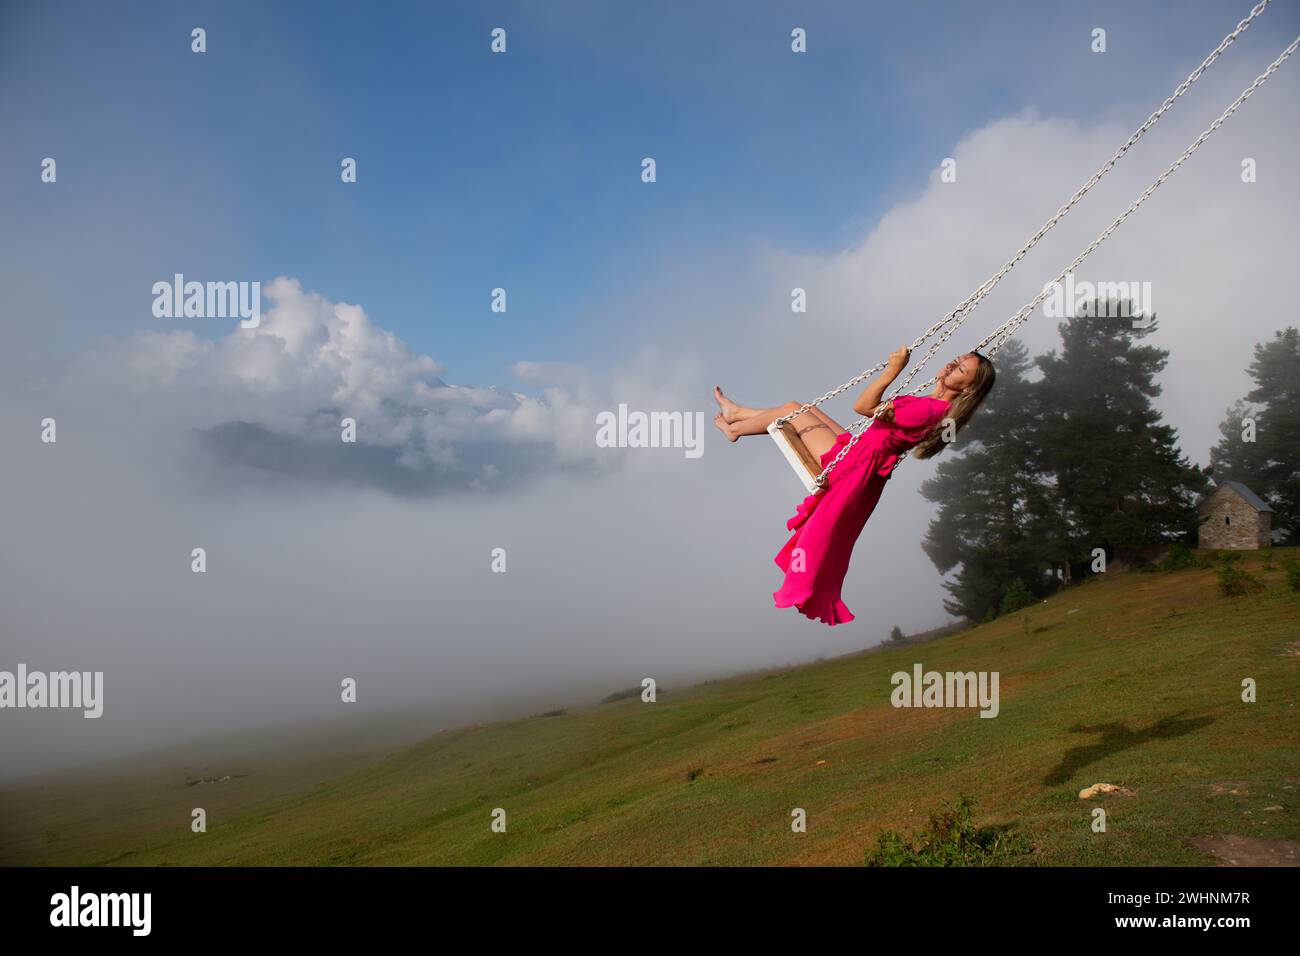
x,y
312,362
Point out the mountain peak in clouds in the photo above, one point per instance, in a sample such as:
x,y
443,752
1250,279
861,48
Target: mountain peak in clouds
x,y
271,401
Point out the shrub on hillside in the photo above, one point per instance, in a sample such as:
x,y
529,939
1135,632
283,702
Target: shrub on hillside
x,y
622,694
1292,569
1233,580
1178,558
1017,596
952,839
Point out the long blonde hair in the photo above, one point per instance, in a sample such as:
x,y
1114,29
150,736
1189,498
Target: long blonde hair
x,y
963,407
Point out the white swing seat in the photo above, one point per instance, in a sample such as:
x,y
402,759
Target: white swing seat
x,y
801,461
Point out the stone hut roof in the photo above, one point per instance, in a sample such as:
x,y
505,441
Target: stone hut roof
x,y
1252,499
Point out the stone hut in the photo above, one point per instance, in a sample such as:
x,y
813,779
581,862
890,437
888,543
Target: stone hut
x,y
1235,518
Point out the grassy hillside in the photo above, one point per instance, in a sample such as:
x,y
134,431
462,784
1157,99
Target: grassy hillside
x,y
1132,679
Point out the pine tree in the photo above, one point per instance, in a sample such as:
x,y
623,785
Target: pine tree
x,y
1269,465
1046,471
1121,482
1237,457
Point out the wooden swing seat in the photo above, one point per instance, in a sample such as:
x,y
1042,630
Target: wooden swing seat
x,y
804,463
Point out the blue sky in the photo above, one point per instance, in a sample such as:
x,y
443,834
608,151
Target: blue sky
x,y
520,170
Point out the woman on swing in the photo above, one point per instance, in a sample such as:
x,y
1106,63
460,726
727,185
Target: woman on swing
x,y
828,522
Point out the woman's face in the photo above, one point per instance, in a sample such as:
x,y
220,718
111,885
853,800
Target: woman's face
x,y
959,373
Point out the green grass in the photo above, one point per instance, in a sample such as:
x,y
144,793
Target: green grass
x,y
1132,679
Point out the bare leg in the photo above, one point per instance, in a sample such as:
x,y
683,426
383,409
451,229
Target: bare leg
x,y
731,412
816,429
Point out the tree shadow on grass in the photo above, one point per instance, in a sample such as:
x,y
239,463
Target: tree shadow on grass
x,y
1116,737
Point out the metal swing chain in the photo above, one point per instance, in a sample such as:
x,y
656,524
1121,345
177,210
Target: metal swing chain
x,y
973,300
1004,332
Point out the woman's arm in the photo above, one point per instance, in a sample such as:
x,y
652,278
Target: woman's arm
x,y
870,398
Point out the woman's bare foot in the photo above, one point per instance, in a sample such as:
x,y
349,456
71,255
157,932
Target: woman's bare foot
x,y
725,427
729,408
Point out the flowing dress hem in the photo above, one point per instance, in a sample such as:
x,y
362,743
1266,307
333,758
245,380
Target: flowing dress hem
x,y
817,607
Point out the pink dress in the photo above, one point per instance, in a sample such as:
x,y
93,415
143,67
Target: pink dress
x,y
828,522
